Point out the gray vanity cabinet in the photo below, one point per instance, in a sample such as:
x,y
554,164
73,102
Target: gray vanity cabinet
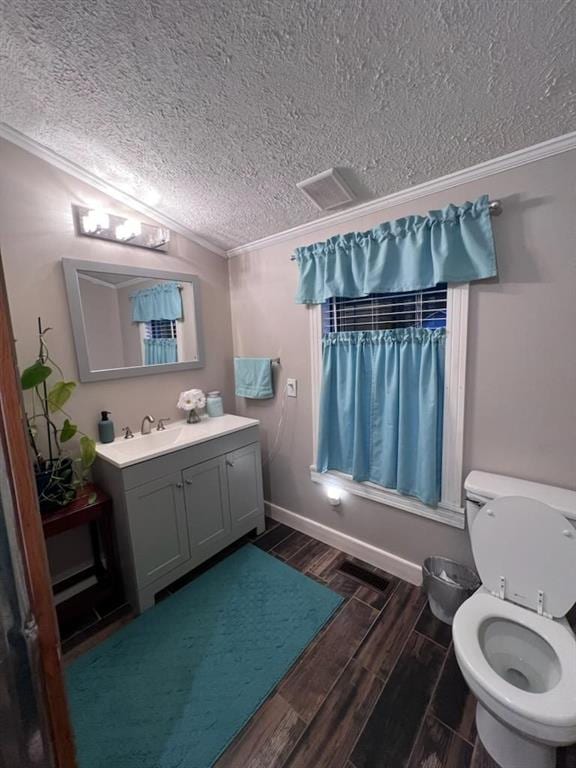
x,y
157,519
207,508
178,509
244,479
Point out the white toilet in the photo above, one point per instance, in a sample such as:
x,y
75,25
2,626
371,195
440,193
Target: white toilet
x,y
513,644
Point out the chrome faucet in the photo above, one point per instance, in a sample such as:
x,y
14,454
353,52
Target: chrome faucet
x,y
145,427
162,424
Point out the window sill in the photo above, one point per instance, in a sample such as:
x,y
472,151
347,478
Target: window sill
x,y
453,516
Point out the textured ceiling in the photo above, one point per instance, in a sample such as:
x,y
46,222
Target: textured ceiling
x,y
221,107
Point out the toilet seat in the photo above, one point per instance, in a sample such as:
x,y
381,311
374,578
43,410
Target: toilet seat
x,y
555,707
525,552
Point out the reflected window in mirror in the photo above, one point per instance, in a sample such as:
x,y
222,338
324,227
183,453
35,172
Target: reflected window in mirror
x,y
161,342
128,319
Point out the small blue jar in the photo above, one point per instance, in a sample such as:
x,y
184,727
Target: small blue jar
x,y
214,404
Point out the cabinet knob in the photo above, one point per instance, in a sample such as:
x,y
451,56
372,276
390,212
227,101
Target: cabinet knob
x,y
179,485
188,482
229,463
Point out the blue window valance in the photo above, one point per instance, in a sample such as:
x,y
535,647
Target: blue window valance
x,y
448,246
160,302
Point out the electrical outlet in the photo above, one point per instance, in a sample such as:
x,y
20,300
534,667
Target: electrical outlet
x,y
292,387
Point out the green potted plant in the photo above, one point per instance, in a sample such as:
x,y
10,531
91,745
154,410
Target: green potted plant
x,y
58,474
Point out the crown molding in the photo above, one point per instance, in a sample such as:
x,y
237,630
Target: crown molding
x,y
507,162
58,161
488,168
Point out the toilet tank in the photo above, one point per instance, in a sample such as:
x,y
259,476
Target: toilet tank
x,y
482,487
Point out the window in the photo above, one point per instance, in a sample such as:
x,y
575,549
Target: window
x,y
444,306
160,329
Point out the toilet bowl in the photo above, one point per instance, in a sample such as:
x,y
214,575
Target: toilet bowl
x,y
522,669
516,650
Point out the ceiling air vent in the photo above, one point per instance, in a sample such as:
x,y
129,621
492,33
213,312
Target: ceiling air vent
x,y
327,190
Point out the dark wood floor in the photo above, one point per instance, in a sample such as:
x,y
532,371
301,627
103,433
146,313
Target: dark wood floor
x,y
379,687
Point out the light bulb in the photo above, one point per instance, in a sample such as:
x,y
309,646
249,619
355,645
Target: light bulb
x,y
95,220
120,232
128,229
135,227
101,218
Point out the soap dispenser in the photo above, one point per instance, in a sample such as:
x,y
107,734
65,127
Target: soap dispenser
x,y
106,428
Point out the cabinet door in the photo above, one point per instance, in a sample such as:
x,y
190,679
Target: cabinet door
x,y
158,527
244,474
207,508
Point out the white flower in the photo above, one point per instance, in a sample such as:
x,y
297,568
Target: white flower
x,y
191,399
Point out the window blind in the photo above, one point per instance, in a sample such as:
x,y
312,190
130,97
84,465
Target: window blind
x,y
160,329
383,311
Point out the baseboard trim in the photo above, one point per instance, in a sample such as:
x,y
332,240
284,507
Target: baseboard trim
x,y
387,561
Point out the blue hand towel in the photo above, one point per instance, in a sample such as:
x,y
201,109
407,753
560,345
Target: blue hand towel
x,y
253,377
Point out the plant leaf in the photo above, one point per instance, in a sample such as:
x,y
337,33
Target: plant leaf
x,y
34,375
59,394
87,451
68,431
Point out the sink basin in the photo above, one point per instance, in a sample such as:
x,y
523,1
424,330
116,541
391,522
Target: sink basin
x,y
146,443
180,434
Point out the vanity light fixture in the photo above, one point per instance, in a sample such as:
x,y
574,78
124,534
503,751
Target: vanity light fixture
x,y
97,223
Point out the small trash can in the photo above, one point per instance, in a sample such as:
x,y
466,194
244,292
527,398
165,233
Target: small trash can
x,y
448,584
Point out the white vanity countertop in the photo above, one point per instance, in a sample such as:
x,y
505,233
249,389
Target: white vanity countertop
x,y
123,453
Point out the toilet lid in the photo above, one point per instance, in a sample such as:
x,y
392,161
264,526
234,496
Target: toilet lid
x,y
532,546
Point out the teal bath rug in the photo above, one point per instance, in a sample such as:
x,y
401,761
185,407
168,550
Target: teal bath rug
x,y
172,688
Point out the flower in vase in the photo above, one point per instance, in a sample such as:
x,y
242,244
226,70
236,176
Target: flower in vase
x,y
191,400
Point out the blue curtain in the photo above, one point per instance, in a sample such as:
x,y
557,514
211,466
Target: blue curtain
x,y
158,351
448,246
381,408
160,302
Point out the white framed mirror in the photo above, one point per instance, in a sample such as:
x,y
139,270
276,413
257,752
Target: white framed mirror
x,y
132,321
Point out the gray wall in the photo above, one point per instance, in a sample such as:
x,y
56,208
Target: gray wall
x,y
132,343
130,332
521,370
187,328
102,322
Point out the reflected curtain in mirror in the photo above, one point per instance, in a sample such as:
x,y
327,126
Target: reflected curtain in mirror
x,y
158,307
158,302
160,351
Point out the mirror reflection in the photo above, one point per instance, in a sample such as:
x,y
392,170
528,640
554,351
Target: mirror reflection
x,y
133,321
